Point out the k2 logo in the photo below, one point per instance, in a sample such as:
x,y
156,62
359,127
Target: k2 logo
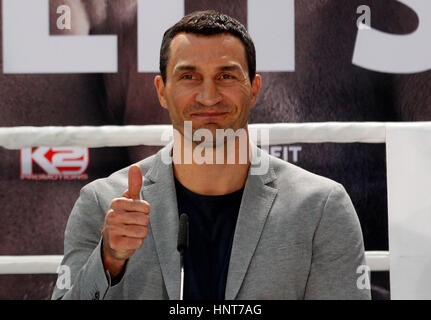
x,y
69,163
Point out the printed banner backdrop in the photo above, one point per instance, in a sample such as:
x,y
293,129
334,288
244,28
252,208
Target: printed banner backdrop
x,y
315,63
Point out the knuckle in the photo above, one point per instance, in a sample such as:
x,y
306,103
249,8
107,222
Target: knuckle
x,y
115,243
139,242
111,215
135,231
148,206
120,203
145,233
145,220
145,206
115,203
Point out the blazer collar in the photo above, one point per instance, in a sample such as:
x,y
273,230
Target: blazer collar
x,y
159,190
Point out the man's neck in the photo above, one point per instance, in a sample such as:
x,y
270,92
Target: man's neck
x,y
212,178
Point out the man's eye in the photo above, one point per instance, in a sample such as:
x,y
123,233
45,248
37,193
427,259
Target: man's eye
x,y
187,77
226,76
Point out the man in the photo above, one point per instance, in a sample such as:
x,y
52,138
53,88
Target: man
x,y
281,234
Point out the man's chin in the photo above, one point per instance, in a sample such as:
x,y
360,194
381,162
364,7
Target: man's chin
x,y
214,129
213,126
208,132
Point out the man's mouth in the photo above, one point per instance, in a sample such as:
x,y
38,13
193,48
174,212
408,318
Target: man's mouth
x,y
209,114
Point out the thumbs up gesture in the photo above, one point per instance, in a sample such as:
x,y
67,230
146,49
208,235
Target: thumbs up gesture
x,y
126,225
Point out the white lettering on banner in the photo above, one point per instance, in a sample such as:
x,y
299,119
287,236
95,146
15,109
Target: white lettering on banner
x,y
279,15
282,152
28,47
64,21
59,163
275,49
380,51
154,17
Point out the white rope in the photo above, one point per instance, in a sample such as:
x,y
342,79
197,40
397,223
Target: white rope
x,y
86,136
120,136
110,136
321,132
29,264
376,260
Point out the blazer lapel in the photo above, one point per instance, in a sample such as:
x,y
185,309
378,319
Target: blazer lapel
x,y
255,205
159,190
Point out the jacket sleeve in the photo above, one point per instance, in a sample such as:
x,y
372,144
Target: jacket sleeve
x,y
81,273
338,259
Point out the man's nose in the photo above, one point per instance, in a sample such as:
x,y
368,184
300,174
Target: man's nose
x,y
208,94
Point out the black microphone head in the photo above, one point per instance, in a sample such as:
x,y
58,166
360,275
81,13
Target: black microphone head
x,y
183,233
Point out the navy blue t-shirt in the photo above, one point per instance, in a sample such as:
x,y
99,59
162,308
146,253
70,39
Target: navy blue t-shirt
x,y
212,221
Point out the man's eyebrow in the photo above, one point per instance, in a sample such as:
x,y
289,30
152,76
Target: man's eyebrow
x,y
184,67
232,67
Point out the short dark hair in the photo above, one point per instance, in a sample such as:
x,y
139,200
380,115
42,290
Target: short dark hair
x,y
208,22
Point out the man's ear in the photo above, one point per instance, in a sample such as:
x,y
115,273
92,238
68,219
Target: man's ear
x,y
255,88
160,88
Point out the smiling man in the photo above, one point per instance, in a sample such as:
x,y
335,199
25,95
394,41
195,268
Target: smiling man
x,y
282,234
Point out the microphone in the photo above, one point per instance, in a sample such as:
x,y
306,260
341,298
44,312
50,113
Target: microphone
x,y
182,245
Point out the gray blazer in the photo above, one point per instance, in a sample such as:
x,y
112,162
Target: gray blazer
x,y
297,237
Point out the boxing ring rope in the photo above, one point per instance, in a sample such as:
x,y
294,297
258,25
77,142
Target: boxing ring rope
x,y
151,135
158,135
376,260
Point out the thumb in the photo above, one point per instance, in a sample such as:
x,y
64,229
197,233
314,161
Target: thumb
x,y
135,182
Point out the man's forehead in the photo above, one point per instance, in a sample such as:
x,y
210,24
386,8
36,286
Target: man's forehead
x,y
189,48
